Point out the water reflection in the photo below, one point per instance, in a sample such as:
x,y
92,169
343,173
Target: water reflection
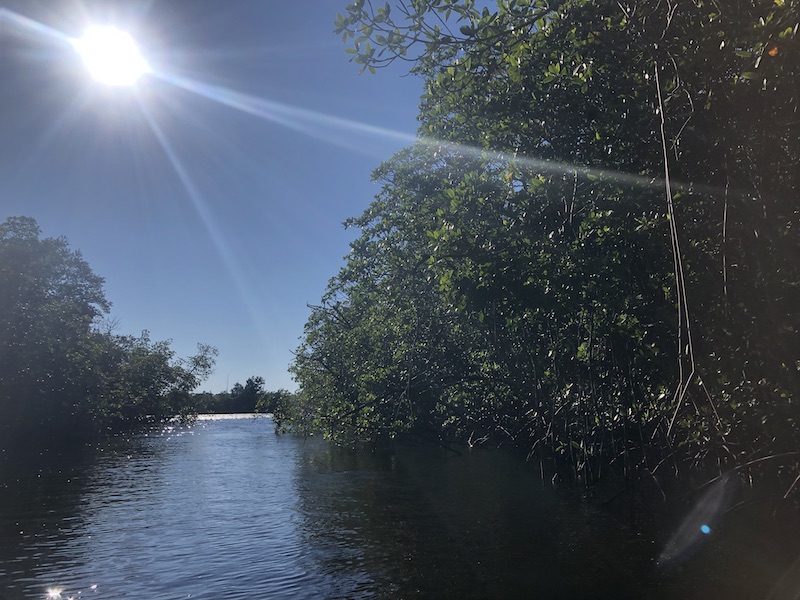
x,y
228,509
424,523
207,512
421,522
39,509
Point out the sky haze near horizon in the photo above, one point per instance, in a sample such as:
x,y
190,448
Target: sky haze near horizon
x,y
209,223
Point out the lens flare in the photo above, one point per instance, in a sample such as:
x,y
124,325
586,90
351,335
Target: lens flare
x,y
696,527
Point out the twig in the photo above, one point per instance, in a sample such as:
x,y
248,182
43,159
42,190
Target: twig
x,y
791,487
680,281
749,463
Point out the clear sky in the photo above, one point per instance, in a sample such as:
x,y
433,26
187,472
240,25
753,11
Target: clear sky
x,y
210,196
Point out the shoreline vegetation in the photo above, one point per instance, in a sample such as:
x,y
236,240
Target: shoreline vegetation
x,y
66,374
252,397
590,256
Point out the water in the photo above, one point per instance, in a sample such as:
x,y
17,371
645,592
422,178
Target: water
x,y
229,509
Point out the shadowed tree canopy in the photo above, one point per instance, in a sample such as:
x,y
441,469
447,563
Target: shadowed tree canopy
x,y
60,373
592,252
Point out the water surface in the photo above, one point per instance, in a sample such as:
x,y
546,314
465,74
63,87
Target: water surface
x,y
229,509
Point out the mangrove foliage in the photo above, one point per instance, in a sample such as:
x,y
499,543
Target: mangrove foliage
x,y
591,254
63,370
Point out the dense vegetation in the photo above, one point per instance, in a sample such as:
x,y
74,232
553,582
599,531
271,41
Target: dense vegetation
x,y
63,372
252,397
591,255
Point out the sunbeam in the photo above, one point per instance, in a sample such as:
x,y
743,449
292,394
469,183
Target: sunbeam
x,y
317,125
24,24
202,211
341,132
68,115
350,134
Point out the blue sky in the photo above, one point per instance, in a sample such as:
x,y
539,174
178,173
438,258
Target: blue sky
x,y
214,212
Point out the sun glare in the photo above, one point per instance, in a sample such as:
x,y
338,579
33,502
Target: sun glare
x,y
111,56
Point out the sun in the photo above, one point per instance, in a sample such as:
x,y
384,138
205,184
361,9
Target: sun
x,y
111,56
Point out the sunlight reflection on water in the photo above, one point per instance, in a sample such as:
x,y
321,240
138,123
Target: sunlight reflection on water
x,y
233,416
208,511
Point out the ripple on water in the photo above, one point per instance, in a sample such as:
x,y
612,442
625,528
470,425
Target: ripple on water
x,y
173,516
228,509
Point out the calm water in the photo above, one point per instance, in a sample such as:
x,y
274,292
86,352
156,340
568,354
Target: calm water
x,y
228,509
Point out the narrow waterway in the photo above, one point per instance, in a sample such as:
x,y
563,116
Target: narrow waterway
x,y
229,509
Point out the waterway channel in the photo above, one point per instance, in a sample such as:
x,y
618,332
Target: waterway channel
x,y
229,509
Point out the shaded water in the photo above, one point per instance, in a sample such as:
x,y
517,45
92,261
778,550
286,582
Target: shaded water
x,y
228,509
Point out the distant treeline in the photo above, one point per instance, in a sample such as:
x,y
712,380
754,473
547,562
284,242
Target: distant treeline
x,y
592,255
248,398
63,370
